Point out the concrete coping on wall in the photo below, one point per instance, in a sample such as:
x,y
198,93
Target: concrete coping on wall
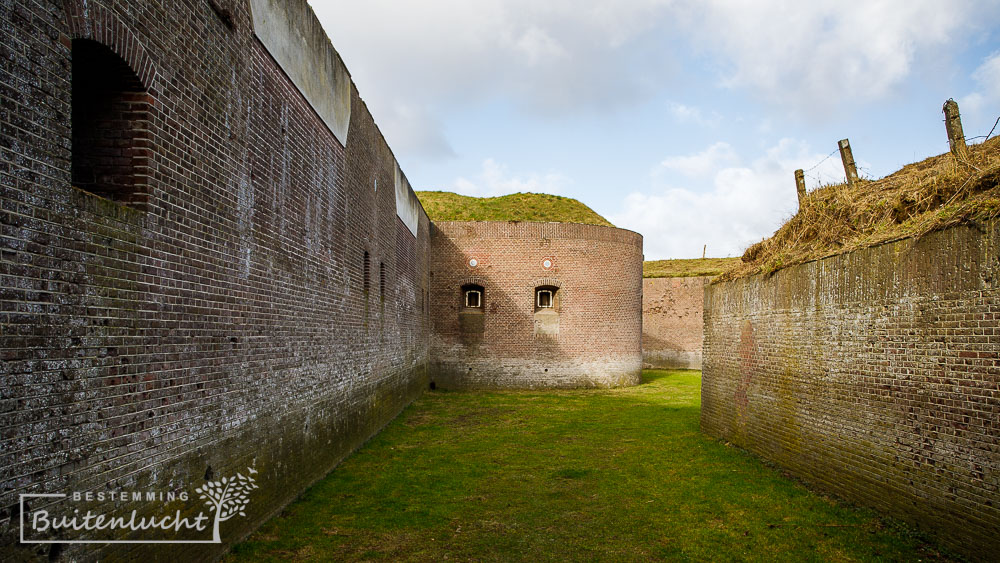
x,y
300,46
294,37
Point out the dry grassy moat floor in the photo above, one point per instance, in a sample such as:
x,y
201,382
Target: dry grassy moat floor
x,y
618,474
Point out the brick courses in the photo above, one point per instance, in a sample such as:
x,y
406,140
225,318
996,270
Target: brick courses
x,y
246,291
672,322
220,321
874,375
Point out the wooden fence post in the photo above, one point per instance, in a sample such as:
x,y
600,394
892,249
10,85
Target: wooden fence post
x,y
800,185
953,125
850,168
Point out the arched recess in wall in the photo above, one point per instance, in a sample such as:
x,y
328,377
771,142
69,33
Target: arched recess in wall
x,y
111,140
547,298
91,20
112,106
472,301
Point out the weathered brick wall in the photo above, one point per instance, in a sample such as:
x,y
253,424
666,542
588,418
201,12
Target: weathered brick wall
x,y
593,341
874,375
223,322
672,322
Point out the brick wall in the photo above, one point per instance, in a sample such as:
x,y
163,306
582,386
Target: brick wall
x,y
591,338
672,322
222,322
874,375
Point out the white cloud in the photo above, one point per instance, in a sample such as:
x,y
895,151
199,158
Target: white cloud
x,y
700,164
728,209
563,57
538,47
983,105
822,55
495,179
693,114
547,58
416,130
988,73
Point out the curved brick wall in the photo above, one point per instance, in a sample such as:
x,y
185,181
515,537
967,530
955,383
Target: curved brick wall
x,y
595,341
875,375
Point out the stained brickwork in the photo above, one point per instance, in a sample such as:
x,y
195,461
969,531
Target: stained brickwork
x,y
672,322
221,323
590,338
874,375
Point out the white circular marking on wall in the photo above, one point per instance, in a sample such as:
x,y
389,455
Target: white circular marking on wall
x,y
473,262
547,263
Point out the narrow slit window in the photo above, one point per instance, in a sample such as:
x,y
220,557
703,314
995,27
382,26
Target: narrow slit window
x,y
381,280
367,272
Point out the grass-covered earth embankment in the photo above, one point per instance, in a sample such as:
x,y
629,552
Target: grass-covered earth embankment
x,y
621,474
539,208
935,193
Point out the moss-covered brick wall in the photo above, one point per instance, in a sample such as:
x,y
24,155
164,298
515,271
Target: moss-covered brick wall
x,y
218,322
874,375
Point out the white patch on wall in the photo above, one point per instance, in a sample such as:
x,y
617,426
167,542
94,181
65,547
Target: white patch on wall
x,y
296,40
244,223
407,204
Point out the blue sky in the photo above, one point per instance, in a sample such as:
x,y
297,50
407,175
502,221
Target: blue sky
x,y
680,119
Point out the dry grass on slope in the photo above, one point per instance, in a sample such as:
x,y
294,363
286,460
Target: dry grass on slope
x,y
687,267
933,194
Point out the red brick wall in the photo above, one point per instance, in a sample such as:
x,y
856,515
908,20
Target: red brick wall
x,y
222,324
672,322
598,272
874,375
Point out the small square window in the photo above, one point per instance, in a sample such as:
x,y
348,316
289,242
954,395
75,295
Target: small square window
x,y
473,299
544,299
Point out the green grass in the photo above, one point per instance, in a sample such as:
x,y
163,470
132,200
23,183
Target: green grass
x,y
686,268
447,206
620,474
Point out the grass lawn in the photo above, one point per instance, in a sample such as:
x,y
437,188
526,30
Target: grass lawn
x,y
619,474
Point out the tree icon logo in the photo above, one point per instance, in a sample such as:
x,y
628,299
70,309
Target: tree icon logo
x,y
229,497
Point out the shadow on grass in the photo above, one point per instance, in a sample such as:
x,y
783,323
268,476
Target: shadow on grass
x,y
619,474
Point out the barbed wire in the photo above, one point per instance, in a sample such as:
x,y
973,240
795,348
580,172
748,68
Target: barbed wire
x,y
987,136
822,161
819,179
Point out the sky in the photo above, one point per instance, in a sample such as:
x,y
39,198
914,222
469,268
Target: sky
x,y
683,120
